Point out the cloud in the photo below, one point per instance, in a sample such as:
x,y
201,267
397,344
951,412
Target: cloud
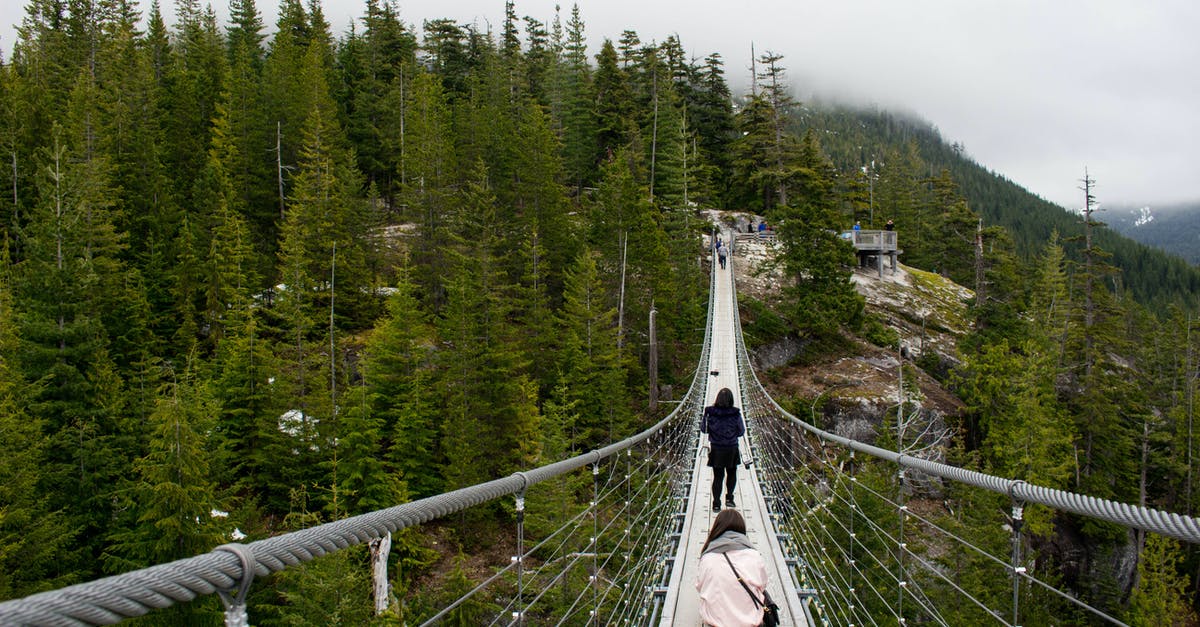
x,y
1035,90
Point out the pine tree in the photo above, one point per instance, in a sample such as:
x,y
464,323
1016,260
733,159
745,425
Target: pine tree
x,y
489,409
326,227
540,60
194,81
172,492
248,427
1100,392
578,114
822,299
615,127
592,377
711,115
1160,597
1025,434
757,156
61,286
400,396
33,538
374,69
427,175
251,130
539,198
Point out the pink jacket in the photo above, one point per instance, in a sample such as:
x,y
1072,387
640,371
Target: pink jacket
x,y
723,601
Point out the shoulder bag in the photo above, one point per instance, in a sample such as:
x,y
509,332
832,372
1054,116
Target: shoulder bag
x,y
770,609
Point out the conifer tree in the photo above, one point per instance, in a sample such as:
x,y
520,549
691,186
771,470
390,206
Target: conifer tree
x,y
172,486
398,378
578,114
615,126
711,115
63,285
252,133
539,199
1099,398
592,377
446,46
248,428
33,537
489,410
1160,597
1049,302
327,226
626,232
822,298
194,81
374,69
427,172
540,59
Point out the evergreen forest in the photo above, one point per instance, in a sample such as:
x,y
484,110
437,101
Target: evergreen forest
x,y
252,283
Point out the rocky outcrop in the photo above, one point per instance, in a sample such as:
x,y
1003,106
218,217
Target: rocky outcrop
x,y
856,392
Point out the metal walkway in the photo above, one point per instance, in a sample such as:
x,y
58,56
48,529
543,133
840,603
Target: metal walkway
x,y
682,606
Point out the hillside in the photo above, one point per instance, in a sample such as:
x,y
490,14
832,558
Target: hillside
x,y
853,138
1174,229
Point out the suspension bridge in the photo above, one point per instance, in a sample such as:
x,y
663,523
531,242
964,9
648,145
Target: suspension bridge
x,y
840,550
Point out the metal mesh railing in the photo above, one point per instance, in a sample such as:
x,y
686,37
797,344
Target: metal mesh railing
x,y
227,569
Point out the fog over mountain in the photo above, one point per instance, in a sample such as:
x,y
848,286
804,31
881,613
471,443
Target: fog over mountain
x,y
1034,90
1172,228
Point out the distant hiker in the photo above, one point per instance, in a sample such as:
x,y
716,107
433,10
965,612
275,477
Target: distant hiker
x,y
890,226
762,226
857,225
721,257
723,424
732,579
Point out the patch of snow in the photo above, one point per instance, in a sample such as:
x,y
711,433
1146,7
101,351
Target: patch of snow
x,y
216,513
1144,217
292,422
237,534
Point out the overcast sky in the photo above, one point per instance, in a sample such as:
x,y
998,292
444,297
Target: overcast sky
x,y
1036,90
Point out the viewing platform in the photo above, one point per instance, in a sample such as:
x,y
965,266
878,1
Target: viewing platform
x,y
872,246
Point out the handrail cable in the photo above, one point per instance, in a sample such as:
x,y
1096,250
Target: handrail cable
x,y
1173,525
112,599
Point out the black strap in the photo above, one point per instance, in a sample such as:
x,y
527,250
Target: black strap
x,y
757,603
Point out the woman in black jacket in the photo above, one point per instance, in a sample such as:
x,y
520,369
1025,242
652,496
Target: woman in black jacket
x,y
723,424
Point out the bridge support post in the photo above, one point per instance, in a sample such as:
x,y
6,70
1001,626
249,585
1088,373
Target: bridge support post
x,y
519,558
594,545
652,365
1018,519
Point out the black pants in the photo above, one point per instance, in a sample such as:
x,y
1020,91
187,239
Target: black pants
x,y
729,475
724,462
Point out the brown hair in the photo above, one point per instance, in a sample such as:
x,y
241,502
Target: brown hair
x,y
724,398
727,520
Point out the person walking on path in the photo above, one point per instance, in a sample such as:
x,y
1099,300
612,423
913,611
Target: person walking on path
x,y
721,256
724,601
723,424
857,225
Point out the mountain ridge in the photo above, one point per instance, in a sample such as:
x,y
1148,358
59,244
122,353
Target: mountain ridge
x,y
854,137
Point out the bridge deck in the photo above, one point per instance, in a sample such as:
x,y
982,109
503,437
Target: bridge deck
x,y
682,605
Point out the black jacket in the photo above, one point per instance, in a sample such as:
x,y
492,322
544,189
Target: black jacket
x,y
723,425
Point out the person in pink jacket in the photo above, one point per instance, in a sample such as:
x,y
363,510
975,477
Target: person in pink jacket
x,y
723,601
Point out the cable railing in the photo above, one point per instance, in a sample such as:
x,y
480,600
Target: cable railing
x,y
865,550
621,540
